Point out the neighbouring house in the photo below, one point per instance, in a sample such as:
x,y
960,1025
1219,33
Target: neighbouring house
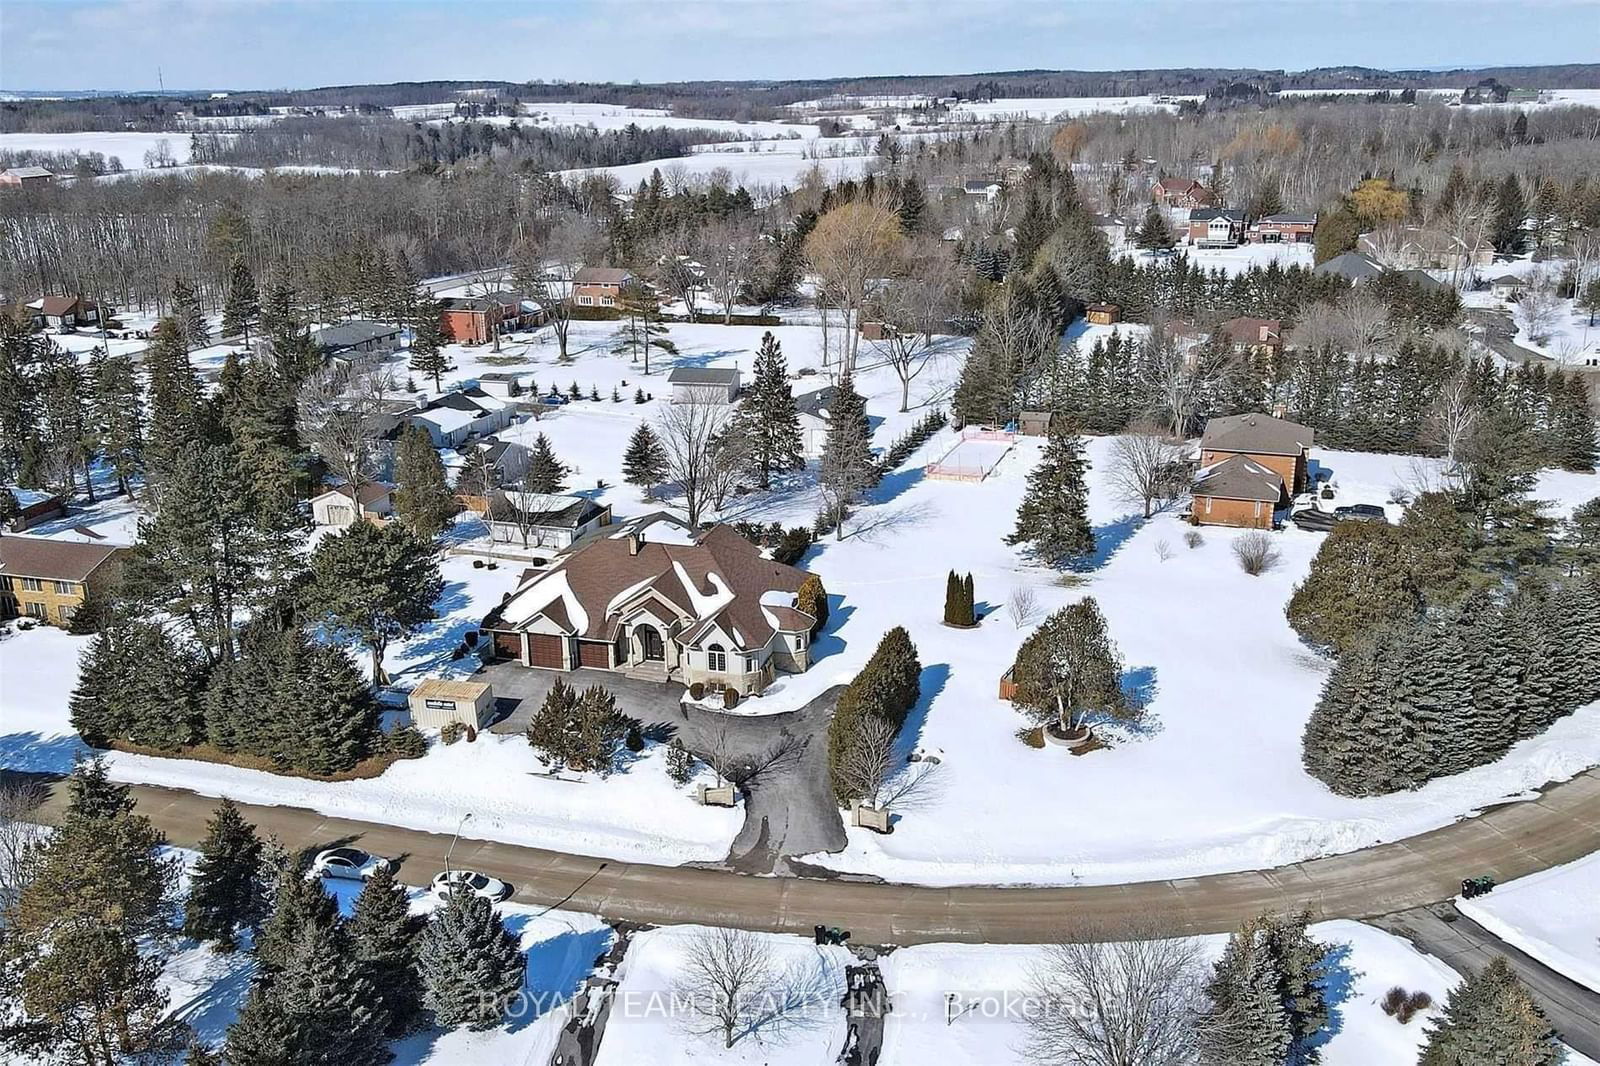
x,y
1286,227
1034,423
707,608
1253,334
1103,314
1354,267
986,189
1115,229
812,407
1216,227
1414,247
66,313
357,335
599,286
341,507
500,384
50,579
704,384
553,521
1275,443
34,506
478,319
1506,287
436,703
1238,491
505,460
454,417
26,176
1181,194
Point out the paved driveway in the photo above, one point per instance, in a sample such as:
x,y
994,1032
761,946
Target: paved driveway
x,y
780,761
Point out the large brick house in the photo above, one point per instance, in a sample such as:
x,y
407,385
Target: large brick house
x,y
66,313
599,286
1215,227
655,601
1250,466
1254,334
476,319
1181,194
50,579
1286,227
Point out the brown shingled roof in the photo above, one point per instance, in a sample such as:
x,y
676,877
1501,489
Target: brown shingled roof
x,y
51,560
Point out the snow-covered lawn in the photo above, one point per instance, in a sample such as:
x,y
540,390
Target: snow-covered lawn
x,y
646,1025
128,147
1368,962
1238,260
1553,915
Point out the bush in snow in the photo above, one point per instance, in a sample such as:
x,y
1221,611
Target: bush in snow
x,y
1255,552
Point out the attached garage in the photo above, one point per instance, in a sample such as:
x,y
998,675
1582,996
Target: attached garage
x,y
547,651
595,654
508,646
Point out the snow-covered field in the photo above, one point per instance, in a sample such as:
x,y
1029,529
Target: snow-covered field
x,y
1238,260
783,165
1053,107
1212,783
1553,915
128,147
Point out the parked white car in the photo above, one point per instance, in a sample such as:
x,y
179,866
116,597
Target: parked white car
x,y
490,888
348,863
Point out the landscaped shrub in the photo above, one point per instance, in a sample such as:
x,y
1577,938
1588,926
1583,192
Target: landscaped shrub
x,y
958,605
634,741
730,698
1393,1000
1032,736
813,600
451,732
1415,1004
406,742
1193,538
1256,552
886,688
697,690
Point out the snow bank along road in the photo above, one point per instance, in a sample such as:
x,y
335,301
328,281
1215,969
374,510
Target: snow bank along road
x,y
1507,842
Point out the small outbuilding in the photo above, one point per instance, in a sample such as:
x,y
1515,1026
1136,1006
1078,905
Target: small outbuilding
x,y
437,703
1034,423
1506,287
1103,314
695,384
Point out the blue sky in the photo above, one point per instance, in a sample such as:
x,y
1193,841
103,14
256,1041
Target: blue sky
x,y
78,44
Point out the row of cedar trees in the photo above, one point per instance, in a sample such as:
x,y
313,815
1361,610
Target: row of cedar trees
x,y
1471,625
102,891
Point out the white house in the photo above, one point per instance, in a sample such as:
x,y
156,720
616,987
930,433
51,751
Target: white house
x,y
696,384
340,507
507,460
812,407
501,385
456,416
544,520
1506,287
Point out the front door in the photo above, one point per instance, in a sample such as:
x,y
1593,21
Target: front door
x,y
650,645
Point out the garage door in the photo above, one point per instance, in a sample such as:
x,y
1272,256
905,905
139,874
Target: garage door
x,y
595,654
508,646
545,651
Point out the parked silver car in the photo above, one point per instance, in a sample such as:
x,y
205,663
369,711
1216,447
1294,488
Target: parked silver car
x,y
348,863
490,888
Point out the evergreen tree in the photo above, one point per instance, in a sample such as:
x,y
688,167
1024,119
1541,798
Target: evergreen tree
x,y
327,718
427,341
1364,574
774,426
189,315
136,684
812,598
847,468
1053,520
374,585
1510,211
545,472
383,939
1070,668
471,967
1153,234
226,888
299,906
582,731
1358,741
422,500
242,305
319,1007
176,416
1491,1020
1247,1024
118,415
645,462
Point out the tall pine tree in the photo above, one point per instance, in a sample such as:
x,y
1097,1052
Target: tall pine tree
x,y
1053,520
227,888
471,966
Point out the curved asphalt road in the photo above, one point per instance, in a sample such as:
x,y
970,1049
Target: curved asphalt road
x,y
1507,842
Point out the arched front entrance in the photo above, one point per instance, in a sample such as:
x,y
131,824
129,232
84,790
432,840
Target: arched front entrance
x,y
651,649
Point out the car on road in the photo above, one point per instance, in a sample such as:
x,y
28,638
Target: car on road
x,y
490,888
1312,520
348,863
1360,512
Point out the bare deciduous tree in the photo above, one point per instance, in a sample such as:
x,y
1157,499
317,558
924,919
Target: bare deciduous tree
x,y
341,415
1363,327
850,247
1023,606
912,309
870,771
689,435
728,980
1537,308
1120,996
19,833
730,253
1452,415
1147,467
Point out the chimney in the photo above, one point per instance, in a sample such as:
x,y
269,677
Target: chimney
x,y
635,542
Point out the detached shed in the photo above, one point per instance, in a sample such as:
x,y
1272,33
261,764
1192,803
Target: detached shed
x,y
436,703
1034,423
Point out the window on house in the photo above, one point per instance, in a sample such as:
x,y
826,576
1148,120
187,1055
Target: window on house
x,y
32,584
64,612
5,582
64,588
37,610
717,659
